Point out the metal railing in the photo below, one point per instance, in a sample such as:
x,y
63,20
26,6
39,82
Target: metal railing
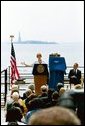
x,y
4,93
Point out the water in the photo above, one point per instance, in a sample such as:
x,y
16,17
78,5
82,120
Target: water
x,y
73,52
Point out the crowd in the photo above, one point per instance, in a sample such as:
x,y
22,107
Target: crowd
x,y
60,107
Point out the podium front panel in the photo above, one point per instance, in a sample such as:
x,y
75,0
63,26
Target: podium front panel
x,y
57,63
40,69
39,80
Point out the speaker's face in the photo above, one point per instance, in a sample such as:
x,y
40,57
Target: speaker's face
x,y
39,55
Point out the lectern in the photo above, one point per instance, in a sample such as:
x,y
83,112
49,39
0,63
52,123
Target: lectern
x,y
40,72
57,67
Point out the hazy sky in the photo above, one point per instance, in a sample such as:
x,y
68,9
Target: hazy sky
x,y
60,21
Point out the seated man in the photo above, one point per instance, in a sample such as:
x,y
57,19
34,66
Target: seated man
x,y
74,75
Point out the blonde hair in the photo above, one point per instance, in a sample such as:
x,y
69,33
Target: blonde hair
x,y
44,88
78,86
15,96
61,91
39,54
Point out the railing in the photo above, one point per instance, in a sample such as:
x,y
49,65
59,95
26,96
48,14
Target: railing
x,y
26,73
4,94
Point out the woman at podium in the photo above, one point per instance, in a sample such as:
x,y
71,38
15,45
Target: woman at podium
x,y
40,72
39,60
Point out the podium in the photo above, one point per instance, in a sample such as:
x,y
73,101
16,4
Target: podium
x,y
40,72
57,67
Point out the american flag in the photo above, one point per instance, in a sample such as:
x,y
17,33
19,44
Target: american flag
x,y
14,71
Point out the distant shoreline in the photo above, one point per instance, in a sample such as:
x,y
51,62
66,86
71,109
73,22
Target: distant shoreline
x,y
35,42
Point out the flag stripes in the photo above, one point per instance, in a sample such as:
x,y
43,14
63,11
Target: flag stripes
x,y
14,71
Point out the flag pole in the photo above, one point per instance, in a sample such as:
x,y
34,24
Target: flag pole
x,y
14,71
11,36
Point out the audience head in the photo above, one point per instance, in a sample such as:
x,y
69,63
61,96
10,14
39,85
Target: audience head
x,y
16,104
54,116
78,86
67,101
78,97
55,95
59,85
28,92
44,88
32,87
15,88
14,114
61,91
15,96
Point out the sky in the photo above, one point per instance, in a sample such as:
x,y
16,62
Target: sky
x,y
57,21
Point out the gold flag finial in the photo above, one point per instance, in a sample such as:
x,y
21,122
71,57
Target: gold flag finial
x,y
11,36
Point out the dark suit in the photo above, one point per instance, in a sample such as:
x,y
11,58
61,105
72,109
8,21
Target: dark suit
x,y
75,80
